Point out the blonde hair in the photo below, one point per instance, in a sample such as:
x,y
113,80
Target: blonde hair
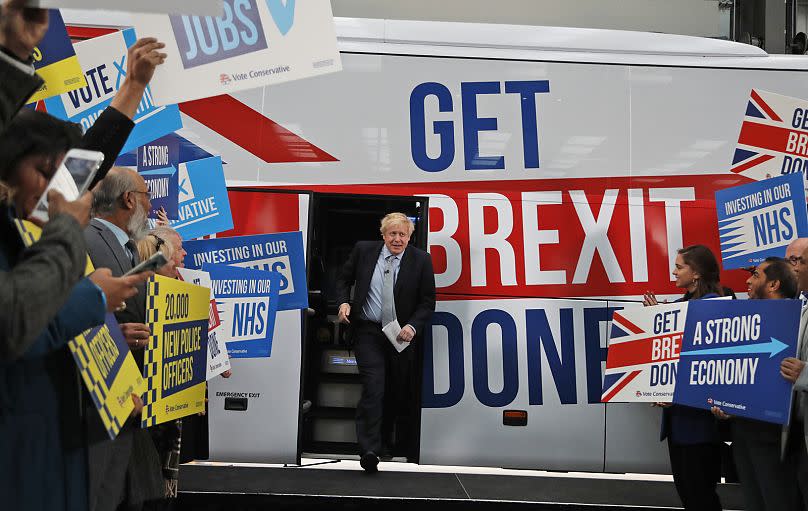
x,y
147,246
392,219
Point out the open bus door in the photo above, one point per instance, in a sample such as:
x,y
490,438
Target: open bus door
x,y
256,416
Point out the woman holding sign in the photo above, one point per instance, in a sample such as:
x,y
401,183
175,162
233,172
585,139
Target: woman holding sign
x,y
694,443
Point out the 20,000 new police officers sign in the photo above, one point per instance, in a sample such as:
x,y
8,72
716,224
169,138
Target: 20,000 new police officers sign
x,y
254,43
759,220
175,361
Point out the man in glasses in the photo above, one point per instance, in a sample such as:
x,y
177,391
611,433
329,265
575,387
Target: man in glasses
x,y
794,253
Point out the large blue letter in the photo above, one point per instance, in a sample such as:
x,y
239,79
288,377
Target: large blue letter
x,y
563,367
444,129
473,125
595,353
429,399
479,358
530,129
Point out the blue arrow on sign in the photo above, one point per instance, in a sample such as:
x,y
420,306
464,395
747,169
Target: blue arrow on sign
x,y
773,348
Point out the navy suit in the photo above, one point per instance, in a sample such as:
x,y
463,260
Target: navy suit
x,y
383,370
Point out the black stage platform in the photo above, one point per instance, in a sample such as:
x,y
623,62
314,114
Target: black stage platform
x,y
236,488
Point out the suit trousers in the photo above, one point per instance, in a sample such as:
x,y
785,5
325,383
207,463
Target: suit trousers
x,y
767,482
797,457
696,471
385,376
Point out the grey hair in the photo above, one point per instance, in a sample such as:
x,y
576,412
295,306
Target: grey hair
x,y
107,193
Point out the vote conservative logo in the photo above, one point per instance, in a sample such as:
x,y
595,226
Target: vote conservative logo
x,y
238,31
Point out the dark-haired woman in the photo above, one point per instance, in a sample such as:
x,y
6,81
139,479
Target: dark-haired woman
x,y
694,443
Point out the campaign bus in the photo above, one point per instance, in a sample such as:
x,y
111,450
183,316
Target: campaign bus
x,y
552,173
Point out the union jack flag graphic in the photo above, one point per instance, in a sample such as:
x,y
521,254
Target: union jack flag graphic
x,y
641,341
773,138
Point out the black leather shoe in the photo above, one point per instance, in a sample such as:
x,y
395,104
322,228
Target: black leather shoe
x,y
370,462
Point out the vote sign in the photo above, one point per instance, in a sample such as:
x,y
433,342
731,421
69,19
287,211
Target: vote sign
x,y
103,60
643,355
252,44
247,302
280,252
760,219
731,357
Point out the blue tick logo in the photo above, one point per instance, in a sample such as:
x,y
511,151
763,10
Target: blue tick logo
x,y
283,13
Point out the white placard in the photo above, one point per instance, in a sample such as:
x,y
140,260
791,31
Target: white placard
x,y
198,7
218,360
254,43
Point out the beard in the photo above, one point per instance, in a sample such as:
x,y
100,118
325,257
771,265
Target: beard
x,y
138,225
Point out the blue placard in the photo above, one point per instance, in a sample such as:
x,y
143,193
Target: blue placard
x,y
247,302
760,219
731,355
203,203
180,150
163,190
279,252
104,62
158,154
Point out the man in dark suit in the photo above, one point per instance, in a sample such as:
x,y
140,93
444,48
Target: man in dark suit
x,y
128,468
393,282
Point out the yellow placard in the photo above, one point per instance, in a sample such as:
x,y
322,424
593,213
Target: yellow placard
x,y
176,358
56,63
108,369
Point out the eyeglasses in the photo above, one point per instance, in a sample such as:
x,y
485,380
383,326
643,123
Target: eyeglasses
x,y
160,241
794,260
138,191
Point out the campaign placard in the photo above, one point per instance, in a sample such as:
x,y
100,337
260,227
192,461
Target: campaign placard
x,y
252,44
104,62
774,136
164,192
203,203
55,61
200,7
643,354
731,355
760,219
175,359
159,154
102,356
218,361
280,252
247,302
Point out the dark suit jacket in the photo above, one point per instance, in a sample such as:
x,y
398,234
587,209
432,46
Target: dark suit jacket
x,y
16,87
414,291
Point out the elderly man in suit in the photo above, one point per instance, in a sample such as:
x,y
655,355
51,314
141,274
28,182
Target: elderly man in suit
x,y
126,469
795,435
392,282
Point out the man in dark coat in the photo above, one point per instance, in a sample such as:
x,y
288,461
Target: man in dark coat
x,y
393,282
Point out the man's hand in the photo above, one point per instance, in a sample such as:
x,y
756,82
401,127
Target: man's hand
x,y
791,368
22,28
138,406
344,312
406,334
136,334
78,209
117,289
162,217
649,299
720,414
227,374
143,57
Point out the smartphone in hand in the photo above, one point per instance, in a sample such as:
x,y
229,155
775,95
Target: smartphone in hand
x,y
154,263
71,179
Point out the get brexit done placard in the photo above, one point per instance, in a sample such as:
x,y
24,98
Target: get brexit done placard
x,y
103,60
252,44
175,360
643,354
